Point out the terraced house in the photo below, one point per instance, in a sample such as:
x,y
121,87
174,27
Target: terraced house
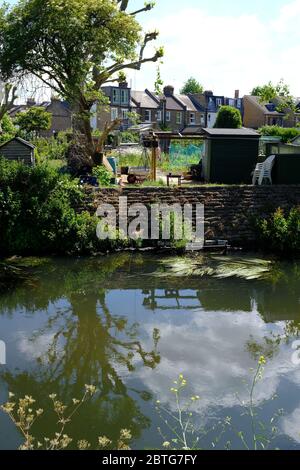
x,y
168,111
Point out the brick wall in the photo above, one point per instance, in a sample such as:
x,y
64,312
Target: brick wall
x,y
229,210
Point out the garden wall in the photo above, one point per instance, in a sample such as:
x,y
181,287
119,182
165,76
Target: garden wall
x,y
229,210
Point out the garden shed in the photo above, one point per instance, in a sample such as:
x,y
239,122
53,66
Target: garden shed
x,y
18,149
287,169
230,155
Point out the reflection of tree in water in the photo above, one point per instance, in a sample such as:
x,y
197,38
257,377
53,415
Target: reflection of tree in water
x,y
88,345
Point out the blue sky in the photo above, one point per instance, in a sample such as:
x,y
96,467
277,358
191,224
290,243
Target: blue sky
x,y
225,44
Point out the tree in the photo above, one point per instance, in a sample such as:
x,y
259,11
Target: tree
x,y
191,86
228,118
75,58
8,130
279,93
8,94
34,120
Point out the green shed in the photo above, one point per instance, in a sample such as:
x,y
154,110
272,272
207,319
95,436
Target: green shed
x,y
286,169
230,155
19,150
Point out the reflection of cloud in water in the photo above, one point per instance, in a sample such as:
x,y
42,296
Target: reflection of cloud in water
x,y
33,349
211,351
290,425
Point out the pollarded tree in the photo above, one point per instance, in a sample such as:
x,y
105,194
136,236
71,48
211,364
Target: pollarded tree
x,y
34,120
75,47
228,118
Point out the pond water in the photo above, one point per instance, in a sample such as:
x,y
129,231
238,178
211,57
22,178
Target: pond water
x,y
131,323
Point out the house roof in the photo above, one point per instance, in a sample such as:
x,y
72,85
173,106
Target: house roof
x,y
243,132
142,99
266,108
22,141
192,130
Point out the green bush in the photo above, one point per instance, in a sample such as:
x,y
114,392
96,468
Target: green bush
x,y
8,130
228,118
103,175
38,213
52,148
287,134
281,232
129,137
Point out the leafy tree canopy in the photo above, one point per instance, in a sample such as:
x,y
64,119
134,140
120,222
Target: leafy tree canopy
x,y
228,118
74,46
33,120
191,86
279,94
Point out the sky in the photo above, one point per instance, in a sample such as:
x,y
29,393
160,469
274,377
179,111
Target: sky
x,y
225,44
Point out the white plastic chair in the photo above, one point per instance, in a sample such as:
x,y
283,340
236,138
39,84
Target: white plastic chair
x,y
263,171
256,173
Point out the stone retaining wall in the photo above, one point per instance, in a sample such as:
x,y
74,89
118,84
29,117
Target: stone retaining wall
x,y
229,210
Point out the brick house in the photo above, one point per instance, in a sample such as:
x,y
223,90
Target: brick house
x,y
60,111
209,104
119,99
257,114
170,110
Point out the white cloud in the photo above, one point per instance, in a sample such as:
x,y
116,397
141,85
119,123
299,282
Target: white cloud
x,y
227,52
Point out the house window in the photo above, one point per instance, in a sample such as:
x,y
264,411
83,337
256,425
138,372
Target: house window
x,y
148,115
124,97
124,114
116,96
219,101
192,118
114,113
178,118
231,102
202,120
168,116
159,116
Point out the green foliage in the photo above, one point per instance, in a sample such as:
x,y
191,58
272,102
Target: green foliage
x,y
280,92
52,148
34,120
286,133
281,232
228,118
8,130
103,175
191,86
129,137
38,213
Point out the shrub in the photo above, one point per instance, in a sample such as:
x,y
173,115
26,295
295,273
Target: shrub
x,y
280,232
38,213
8,130
52,148
129,137
103,175
287,134
228,118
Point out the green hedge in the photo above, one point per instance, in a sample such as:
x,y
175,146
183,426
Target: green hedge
x,y
286,133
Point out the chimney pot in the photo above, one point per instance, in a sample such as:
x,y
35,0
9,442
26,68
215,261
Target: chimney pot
x,y
169,90
237,94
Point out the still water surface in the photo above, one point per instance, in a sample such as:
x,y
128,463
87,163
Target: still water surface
x,y
130,324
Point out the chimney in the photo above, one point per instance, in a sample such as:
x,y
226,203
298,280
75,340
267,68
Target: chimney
x,y
237,94
123,84
169,90
31,102
208,93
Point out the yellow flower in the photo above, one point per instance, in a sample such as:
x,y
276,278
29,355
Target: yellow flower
x,y
262,360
